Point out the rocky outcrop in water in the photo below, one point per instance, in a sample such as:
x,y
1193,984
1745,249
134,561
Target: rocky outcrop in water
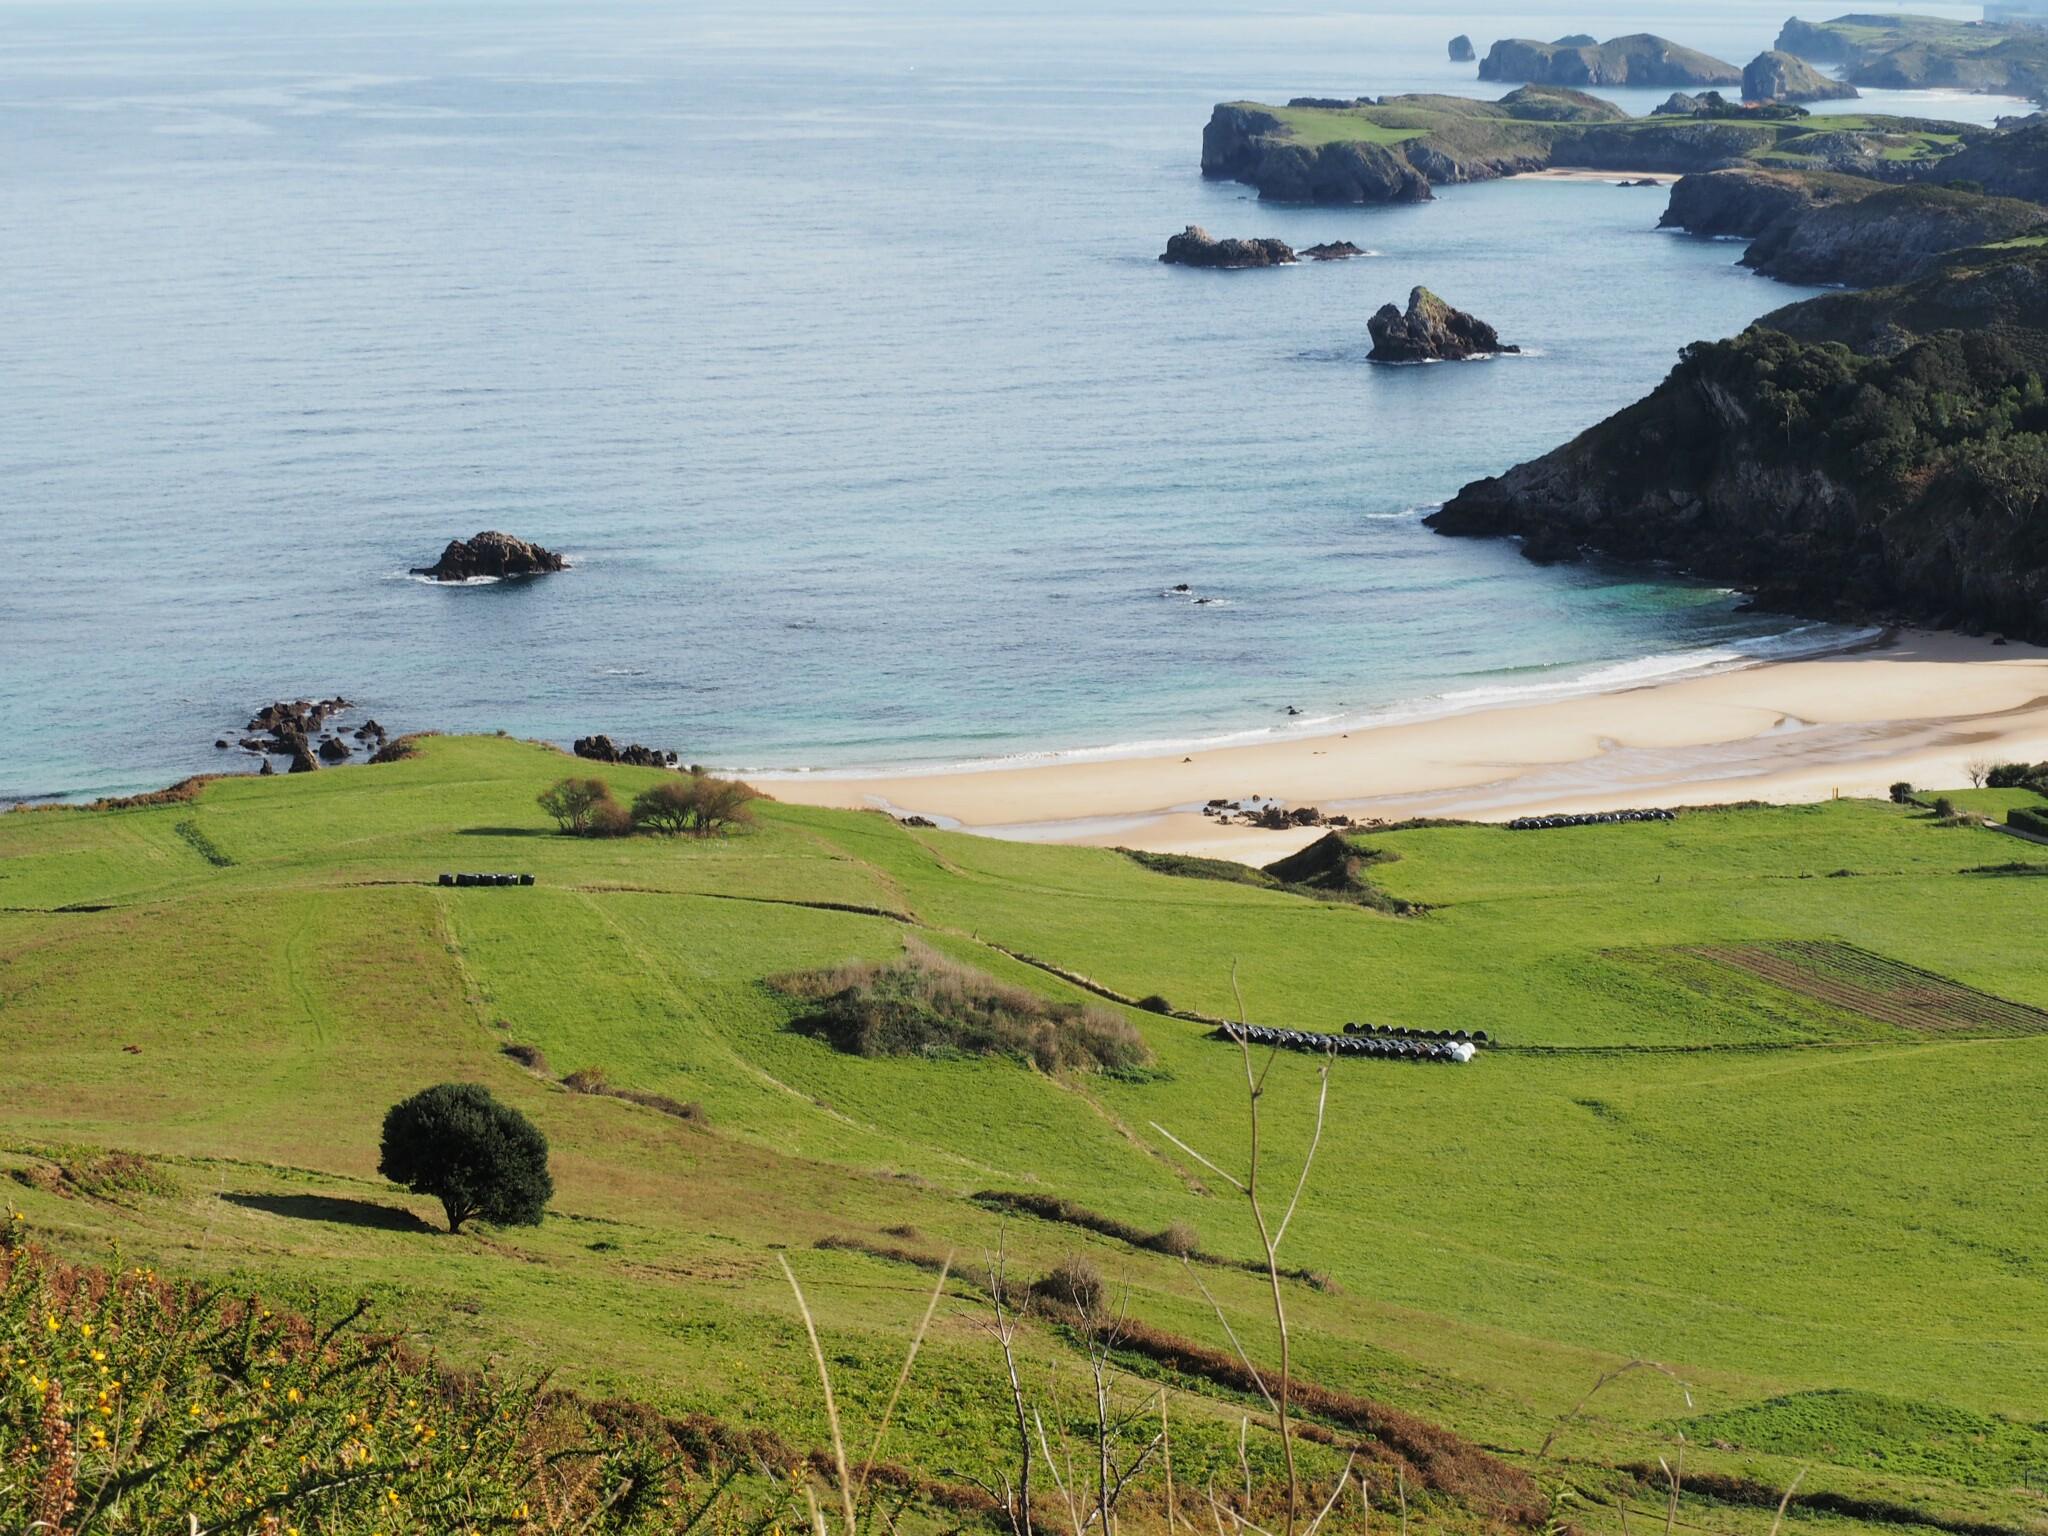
x,y
1333,250
1775,75
1196,247
300,730
491,554
1907,480
1641,59
1431,331
1462,51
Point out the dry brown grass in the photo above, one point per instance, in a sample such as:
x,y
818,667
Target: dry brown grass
x,y
926,1004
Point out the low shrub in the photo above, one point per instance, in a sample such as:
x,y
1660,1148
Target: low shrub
x,y
593,1081
1154,1003
1180,1241
1073,1282
927,1005
531,1057
105,1176
228,1415
1901,793
610,819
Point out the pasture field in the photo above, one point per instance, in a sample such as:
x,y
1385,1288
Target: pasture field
x,y
1811,1189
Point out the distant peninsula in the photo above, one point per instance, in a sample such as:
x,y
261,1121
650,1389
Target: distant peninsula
x,y
1639,59
1397,148
1905,53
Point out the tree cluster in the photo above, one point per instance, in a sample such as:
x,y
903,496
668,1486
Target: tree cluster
x,y
701,805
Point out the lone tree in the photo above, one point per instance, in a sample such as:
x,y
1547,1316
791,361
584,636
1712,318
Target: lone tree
x,y
572,801
476,1156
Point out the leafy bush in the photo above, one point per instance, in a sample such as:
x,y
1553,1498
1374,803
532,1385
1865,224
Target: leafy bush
x,y
135,1406
703,805
670,806
1902,793
572,802
610,819
928,1005
2032,776
476,1156
1944,807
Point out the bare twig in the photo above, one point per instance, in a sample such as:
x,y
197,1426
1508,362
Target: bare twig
x,y
1786,1502
1612,1376
831,1408
902,1377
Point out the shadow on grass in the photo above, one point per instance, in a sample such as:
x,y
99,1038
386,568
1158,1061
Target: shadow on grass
x,y
335,1208
504,832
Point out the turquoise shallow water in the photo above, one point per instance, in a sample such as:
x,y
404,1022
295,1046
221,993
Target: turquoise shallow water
x,y
831,346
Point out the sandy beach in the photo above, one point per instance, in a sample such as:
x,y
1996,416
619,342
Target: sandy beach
x,y
1918,706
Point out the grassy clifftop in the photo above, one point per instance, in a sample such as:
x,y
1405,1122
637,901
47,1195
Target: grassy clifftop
x,y
1707,1071
1396,148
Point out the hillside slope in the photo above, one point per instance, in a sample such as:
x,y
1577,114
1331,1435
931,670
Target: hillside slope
x,y
235,984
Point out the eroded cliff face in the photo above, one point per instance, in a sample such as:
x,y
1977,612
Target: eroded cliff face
x,y
1910,485
1241,144
1818,228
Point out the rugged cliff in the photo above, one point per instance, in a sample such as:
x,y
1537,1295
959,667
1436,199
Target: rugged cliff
x,y
1639,59
1906,481
1808,227
1906,52
1396,148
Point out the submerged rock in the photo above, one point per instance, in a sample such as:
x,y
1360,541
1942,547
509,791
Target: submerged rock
x,y
491,554
1431,331
1196,247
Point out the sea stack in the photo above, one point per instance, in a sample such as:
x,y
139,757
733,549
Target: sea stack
x,y
1778,76
1462,51
1431,332
491,554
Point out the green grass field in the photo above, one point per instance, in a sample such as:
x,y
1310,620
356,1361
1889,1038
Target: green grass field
x,y
1830,1224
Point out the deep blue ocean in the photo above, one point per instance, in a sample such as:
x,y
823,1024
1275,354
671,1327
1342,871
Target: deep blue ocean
x,y
828,340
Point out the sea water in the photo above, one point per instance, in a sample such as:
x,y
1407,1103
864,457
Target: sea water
x,y
830,343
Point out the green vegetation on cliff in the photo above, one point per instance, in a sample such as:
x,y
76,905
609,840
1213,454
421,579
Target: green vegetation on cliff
x,y
1906,52
1692,1085
1908,478
1396,148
